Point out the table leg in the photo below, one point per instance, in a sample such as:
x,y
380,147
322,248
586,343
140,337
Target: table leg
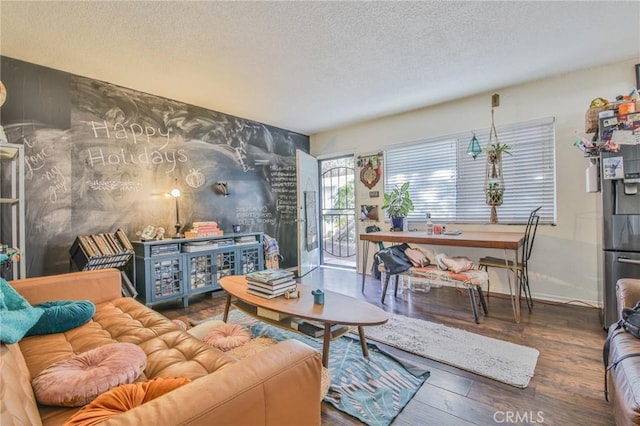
x,y
227,305
365,258
517,284
515,299
363,341
325,344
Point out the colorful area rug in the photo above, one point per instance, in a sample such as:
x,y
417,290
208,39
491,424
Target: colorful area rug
x,y
499,360
373,390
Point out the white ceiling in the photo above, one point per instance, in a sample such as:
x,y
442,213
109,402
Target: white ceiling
x,y
314,66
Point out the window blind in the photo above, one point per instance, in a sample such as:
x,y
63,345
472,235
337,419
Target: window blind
x,y
448,183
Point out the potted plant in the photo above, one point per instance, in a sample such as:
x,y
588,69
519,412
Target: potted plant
x,y
494,181
494,156
398,204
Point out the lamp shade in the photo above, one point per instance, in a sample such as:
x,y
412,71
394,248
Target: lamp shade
x,y
474,147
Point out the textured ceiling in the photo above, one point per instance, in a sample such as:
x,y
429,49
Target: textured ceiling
x,y
314,66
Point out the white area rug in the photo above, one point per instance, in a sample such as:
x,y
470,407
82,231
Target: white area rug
x,y
499,360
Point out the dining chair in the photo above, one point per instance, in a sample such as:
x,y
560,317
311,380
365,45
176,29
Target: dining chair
x,y
393,262
522,265
368,229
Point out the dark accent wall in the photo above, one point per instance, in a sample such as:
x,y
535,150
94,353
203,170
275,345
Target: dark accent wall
x,y
100,157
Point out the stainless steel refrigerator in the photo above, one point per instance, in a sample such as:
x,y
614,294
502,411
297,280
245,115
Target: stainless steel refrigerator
x,y
620,183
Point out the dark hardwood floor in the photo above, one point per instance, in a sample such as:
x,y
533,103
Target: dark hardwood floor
x,y
567,388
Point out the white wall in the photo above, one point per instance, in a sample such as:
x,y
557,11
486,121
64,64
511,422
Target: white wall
x,y
565,261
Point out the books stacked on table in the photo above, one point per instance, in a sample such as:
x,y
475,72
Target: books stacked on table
x,y
204,229
270,283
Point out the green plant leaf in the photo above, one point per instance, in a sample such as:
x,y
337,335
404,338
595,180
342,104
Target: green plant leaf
x,y
398,202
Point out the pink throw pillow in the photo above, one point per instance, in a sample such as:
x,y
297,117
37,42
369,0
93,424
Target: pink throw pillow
x,y
181,324
457,264
227,336
80,379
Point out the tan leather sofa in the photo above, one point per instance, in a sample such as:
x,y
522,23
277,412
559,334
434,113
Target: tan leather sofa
x,y
624,380
278,386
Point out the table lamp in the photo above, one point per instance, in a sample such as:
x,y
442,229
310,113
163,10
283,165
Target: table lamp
x,y
175,193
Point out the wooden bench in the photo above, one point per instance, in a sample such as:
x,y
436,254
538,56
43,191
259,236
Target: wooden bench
x,y
472,279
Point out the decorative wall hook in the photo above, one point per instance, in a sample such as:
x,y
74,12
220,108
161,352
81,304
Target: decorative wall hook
x,y
222,189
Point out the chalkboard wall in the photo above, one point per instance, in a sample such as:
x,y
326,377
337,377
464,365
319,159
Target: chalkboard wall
x,y
101,157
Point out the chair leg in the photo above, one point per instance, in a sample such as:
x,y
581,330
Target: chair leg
x,y
486,269
524,282
384,289
482,301
472,297
395,292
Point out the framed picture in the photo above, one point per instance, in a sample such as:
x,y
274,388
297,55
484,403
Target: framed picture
x,y
638,76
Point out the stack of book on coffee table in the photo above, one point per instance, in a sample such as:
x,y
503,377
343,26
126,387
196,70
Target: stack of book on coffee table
x,y
270,283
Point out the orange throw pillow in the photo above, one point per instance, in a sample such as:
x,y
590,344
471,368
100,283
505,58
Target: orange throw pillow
x,y
119,400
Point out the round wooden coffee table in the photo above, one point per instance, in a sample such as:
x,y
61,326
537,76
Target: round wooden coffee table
x,y
338,309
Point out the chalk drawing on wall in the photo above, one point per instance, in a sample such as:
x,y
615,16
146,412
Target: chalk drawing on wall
x,y
104,166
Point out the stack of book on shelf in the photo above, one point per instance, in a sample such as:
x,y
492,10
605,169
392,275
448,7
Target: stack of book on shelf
x,y
268,313
164,249
270,283
204,229
199,246
225,242
316,329
246,239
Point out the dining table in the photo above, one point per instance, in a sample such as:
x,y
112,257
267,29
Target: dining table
x,y
510,242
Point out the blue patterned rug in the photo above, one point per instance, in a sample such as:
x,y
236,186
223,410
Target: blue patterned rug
x,y
373,390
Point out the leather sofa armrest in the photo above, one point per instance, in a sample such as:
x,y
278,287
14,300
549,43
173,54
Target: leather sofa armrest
x,y
97,286
627,293
277,386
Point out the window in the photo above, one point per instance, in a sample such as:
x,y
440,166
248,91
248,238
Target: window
x,y
448,183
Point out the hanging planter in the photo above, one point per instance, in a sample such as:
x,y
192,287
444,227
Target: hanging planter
x,y
494,195
494,180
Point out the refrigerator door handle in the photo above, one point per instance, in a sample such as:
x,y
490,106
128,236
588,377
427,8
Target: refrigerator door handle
x,y
627,260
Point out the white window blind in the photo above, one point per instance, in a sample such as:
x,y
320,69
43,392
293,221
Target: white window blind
x,y
448,183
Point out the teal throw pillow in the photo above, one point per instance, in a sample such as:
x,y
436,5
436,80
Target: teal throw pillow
x,y
17,316
62,315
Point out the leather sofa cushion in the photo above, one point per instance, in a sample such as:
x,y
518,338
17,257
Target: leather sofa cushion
x,y
18,405
624,379
168,348
170,351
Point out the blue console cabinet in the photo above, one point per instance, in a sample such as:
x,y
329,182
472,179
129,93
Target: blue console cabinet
x,y
179,268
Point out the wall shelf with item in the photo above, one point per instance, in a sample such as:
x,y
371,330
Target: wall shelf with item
x,y
12,205
102,251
